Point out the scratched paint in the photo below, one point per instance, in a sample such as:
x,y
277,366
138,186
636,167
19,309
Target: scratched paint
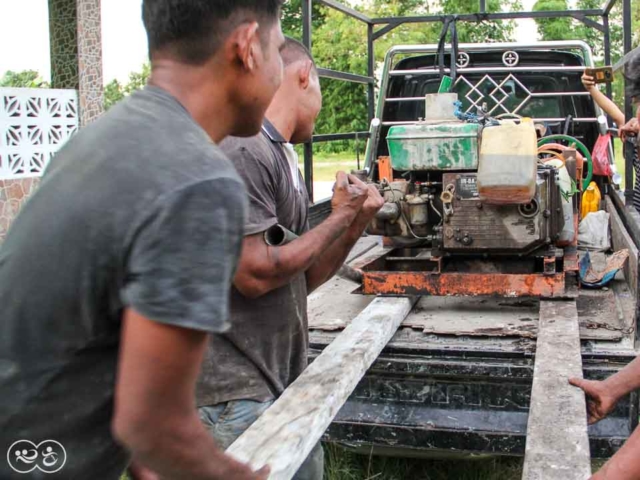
x,y
426,146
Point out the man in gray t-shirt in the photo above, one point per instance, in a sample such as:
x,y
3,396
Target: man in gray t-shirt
x,y
265,350
120,265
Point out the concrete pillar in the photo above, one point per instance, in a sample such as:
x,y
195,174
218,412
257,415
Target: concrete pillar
x,y
76,53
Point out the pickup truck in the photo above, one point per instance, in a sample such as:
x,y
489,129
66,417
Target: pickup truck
x,y
456,378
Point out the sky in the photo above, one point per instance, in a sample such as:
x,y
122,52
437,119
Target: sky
x,y
24,25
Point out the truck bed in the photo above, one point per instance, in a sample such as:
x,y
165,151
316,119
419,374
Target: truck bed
x,y
456,378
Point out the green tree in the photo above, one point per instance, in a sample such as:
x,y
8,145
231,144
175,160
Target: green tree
x,y
560,28
570,29
24,79
292,18
114,91
487,30
138,80
339,43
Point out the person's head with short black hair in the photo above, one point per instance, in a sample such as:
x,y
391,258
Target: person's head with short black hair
x,y
217,54
299,99
192,31
294,51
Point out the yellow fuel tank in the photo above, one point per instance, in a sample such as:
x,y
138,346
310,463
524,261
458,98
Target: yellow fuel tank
x,y
590,200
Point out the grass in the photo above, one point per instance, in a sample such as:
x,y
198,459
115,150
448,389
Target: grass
x,y
341,464
325,165
619,160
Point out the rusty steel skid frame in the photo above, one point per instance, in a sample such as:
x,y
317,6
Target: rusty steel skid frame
x,y
393,273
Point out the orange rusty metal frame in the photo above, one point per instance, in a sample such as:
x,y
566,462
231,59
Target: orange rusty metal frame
x,y
464,284
386,282
385,170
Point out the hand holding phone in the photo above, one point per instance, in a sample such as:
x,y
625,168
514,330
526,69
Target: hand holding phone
x,y
600,74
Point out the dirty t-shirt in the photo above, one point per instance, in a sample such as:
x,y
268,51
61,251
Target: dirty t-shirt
x,y
266,348
140,210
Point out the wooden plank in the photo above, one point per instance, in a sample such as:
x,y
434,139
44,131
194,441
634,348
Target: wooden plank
x,y
621,239
287,432
333,306
557,440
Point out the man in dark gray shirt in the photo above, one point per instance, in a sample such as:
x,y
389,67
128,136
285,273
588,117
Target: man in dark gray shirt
x,y
120,265
265,350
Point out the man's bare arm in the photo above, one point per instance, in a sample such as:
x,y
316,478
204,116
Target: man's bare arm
x,y
602,397
625,464
625,381
331,261
604,102
155,415
263,268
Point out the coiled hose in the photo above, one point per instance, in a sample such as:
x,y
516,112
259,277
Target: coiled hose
x,y
581,148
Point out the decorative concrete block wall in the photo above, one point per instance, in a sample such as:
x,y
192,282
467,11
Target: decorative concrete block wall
x,y
34,124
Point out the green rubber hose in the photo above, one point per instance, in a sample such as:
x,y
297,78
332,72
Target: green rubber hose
x,y
581,147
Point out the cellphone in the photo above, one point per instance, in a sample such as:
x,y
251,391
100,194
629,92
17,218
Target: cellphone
x,y
600,74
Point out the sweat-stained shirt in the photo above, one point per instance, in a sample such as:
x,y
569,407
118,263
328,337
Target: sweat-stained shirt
x,y
266,348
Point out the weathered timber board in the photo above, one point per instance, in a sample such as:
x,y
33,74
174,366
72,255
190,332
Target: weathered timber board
x,y
286,433
557,441
620,239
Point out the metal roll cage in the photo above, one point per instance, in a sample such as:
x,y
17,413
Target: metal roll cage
x,y
387,24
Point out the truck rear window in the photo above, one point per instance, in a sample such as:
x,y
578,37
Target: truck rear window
x,y
503,93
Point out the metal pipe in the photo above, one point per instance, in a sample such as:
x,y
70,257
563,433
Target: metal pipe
x,y
278,236
307,25
400,73
330,137
627,26
533,95
346,10
475,17
348,77
350,273
590,23
307,19
384,30
308,169
609,6
607,49
371,66
581,120
628,108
